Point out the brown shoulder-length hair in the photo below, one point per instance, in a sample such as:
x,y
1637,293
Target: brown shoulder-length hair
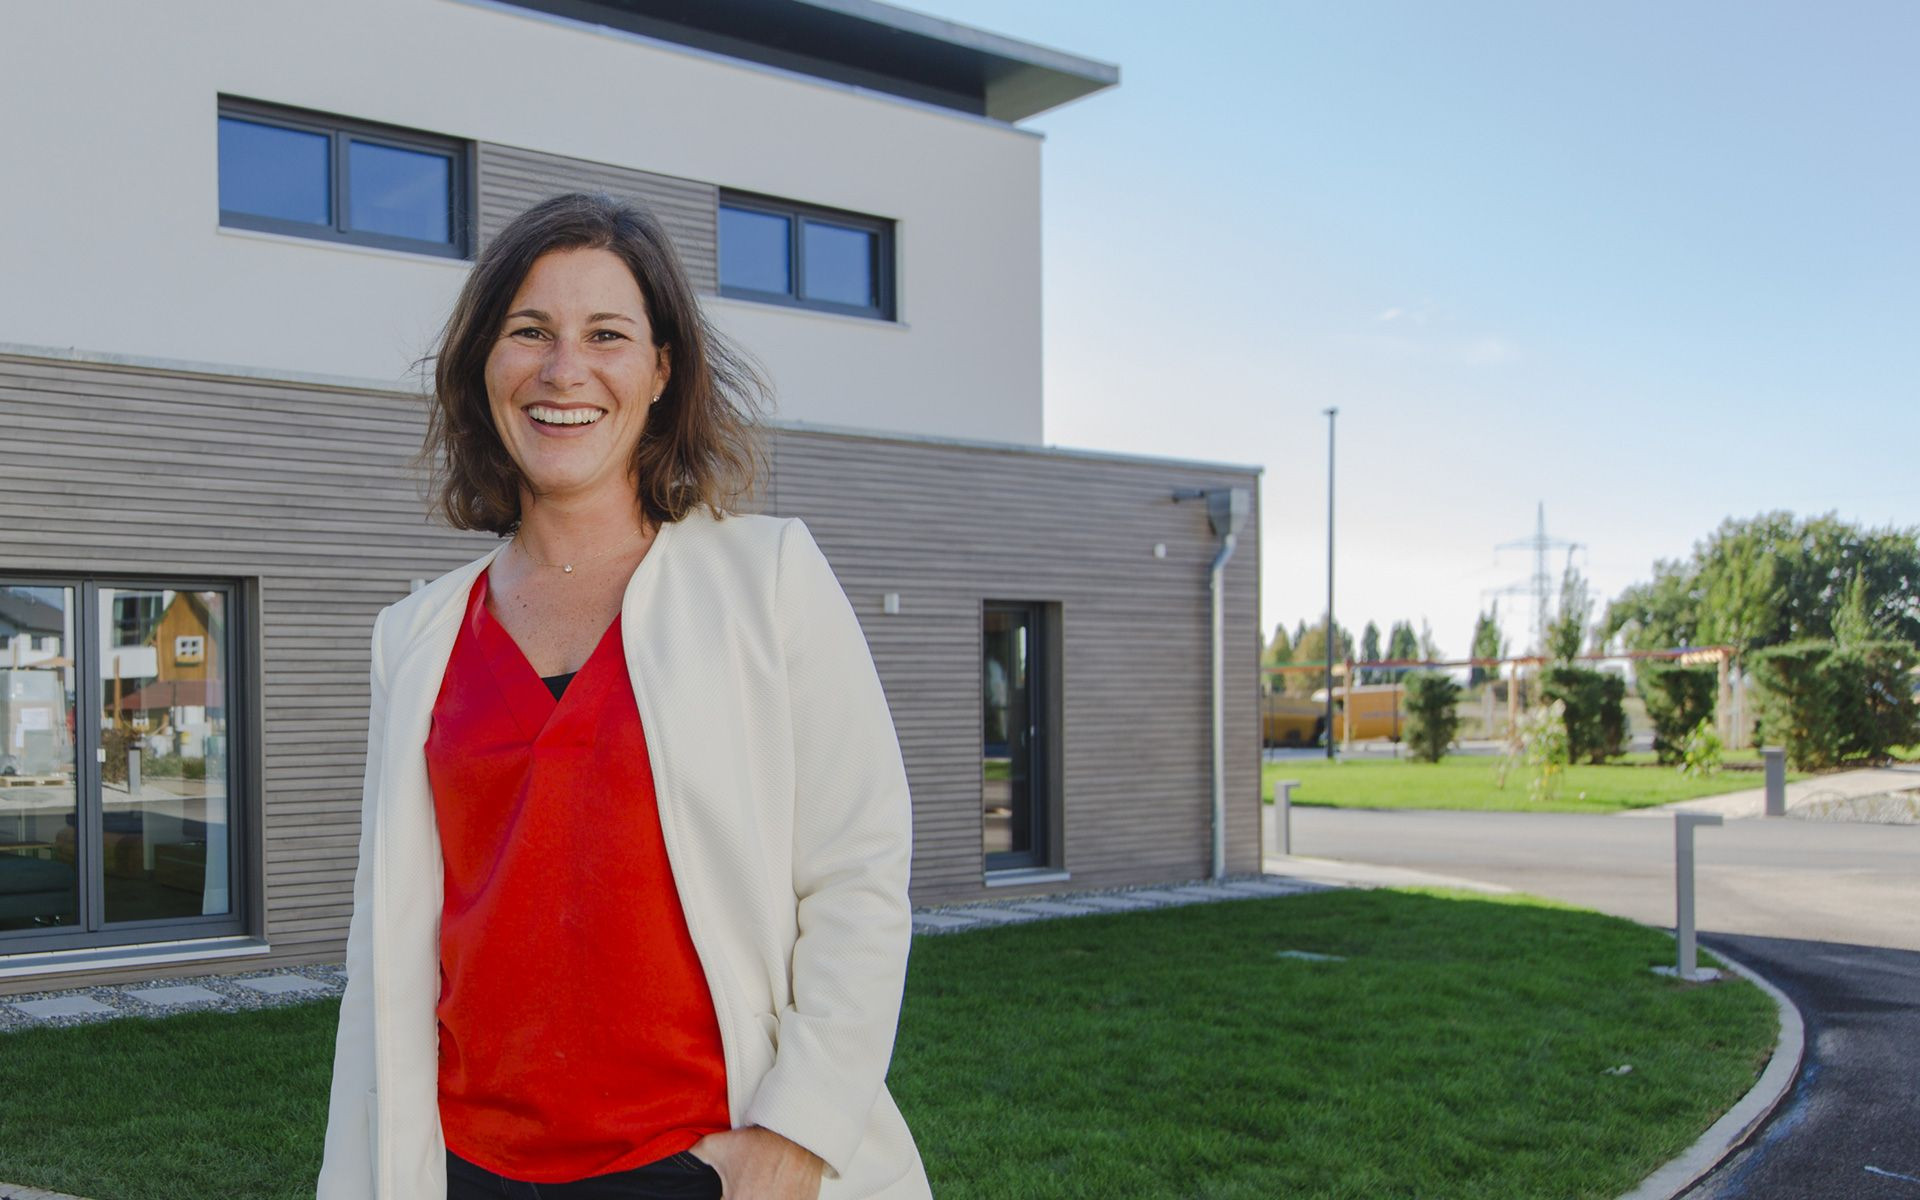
x,y
702,440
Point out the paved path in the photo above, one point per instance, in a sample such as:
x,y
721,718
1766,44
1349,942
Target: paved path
x,y
1847,1129
1812,881
1804,795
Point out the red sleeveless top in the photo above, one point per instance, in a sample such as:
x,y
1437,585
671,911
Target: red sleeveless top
x,y
577,1033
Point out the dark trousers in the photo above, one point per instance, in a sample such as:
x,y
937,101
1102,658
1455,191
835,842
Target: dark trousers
x,y
676,1177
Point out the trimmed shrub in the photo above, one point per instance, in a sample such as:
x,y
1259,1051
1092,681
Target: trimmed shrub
x,y
1677,699
1828,704
1596,714
1433,720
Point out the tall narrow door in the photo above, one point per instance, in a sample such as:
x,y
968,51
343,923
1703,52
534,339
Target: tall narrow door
x,y
1013,818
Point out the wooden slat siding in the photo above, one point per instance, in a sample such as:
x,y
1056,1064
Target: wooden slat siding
x,y
948,527
512,180
130,469
306,486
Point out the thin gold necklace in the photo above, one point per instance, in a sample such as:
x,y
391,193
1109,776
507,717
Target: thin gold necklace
x,y
568,567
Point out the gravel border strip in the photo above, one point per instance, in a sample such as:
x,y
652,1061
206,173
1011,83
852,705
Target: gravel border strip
x,y
232,996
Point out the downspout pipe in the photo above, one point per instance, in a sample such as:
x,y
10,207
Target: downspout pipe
x,y
1227,510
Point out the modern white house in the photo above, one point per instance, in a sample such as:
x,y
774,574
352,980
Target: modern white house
x,y
232,231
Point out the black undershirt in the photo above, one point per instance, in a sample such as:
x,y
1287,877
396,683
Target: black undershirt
x,y
557,683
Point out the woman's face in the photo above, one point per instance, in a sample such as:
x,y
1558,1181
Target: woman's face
x,y
573,371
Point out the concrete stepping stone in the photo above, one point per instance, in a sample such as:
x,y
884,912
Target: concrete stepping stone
x,y
1168,897
1054,908
942,921
1198,891
1252,887
280,985
1002,916
63,1006
1115,903
179,994
15,1191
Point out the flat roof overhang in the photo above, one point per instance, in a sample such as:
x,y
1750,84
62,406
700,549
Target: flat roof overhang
x,y
863,43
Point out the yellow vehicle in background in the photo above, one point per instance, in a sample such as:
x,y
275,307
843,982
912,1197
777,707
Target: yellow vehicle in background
x,y
1290,721
1379,711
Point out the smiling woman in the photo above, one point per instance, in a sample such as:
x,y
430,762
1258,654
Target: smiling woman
x,y
553,262
631,917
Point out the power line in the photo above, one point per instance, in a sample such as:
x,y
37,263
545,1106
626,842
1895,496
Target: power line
x,y
1541,584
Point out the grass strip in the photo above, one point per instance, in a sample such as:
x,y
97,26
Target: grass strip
x,y
1460,1048
1471,782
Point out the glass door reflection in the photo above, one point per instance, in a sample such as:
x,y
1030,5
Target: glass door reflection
x,y
1011,812
39,786
164,813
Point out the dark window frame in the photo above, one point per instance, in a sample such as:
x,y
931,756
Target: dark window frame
x,y
1044,851
92,931
340,132
796,214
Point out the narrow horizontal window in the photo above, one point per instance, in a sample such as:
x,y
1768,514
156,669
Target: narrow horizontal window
x,y
755,251
400,192
842,267
337,179
269,171
783,252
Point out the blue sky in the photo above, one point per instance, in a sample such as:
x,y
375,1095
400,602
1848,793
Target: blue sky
x,y
1648,264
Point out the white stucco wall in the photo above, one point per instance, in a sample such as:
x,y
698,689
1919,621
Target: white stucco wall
x,y
109,219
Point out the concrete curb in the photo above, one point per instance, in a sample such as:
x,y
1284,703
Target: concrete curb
x,y
14,1191
1335,872
1732,1130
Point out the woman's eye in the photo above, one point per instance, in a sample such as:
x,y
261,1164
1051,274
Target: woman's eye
x,y
612,334
526,331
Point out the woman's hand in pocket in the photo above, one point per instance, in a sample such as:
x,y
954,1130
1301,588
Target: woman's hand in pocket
x,y
756,1163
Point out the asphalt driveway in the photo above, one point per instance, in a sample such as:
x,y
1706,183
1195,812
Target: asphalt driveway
x,y
1850,1127
1805,880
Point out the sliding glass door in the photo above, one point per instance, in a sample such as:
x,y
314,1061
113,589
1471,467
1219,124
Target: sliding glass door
x,y
117,819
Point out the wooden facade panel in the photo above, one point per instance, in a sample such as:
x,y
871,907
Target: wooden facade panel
x,y
512,180
950,527
330,526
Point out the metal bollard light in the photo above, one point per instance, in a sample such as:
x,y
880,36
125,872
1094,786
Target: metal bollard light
x,y
1775,758
1283,813
1684,824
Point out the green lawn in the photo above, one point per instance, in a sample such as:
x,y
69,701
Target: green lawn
x,y
1472,782
1461,1050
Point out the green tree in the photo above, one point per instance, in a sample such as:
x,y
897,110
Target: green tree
x,y
1370,651
1827,703
1487,643
1280,649
1592,710
1429,649
1568,629
1402,643
1853,622
1312,648
1677,698
1433,718
1277,653
1773,579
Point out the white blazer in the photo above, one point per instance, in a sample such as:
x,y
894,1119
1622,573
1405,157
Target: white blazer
x,y
783,803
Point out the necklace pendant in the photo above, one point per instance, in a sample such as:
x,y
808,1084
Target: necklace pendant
x,y
568,568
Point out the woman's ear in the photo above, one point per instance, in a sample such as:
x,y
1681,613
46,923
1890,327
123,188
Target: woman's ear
x,y
663,364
